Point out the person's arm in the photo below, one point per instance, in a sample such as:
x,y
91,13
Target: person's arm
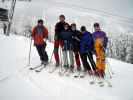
x,y
105,40
56,32
33,32
56,28
77,36
45,34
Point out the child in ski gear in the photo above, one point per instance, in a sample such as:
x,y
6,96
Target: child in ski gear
x,y
39,33
59,27
86,48
66,37
100,43
76,45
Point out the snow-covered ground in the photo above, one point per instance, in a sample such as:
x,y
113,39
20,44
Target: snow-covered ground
x,y
18,83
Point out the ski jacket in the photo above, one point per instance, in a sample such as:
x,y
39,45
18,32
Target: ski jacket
x,y
76,37
66,37
102,36
86,43
59,27
38,34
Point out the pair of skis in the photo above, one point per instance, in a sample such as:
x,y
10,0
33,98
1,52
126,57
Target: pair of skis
x,y
100,82
38,68
79,75
53,70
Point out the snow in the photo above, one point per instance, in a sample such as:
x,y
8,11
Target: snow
x,y
18,83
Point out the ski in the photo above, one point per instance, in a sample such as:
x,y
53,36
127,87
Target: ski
x,y
33,68
77,75
108,83
93,80
62,73
68,73
41,68
102,83
82,75
53,70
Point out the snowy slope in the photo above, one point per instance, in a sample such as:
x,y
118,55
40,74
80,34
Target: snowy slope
x,y
18,83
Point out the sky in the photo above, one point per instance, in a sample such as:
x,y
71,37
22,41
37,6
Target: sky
x,y
118,12
119,7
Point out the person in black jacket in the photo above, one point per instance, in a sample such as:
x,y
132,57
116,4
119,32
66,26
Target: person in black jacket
x,y
66,37
77,35
59,27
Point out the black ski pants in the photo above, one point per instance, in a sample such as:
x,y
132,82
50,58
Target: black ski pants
x,y
85,62
42,52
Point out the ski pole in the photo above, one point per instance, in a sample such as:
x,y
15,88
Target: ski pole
x,y
92,64
30,52
51,56
60,58
108,68
108,65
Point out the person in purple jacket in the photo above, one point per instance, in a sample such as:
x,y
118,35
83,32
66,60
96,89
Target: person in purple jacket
x,y
100,45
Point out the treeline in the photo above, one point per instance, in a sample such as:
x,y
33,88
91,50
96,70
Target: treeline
x,y
121,47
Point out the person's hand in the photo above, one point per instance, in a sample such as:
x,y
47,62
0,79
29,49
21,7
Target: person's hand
x,y
34,44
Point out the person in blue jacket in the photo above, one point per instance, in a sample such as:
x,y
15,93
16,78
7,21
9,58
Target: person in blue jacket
x,y
86,49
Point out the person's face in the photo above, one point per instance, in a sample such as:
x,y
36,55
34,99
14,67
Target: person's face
x,y
73,28
97,28
40,24
62,19
66,27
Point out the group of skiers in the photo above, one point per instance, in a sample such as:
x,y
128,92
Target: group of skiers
x,y
74,44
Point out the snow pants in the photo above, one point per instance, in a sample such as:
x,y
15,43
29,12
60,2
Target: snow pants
x,y
85,62
42,52
57,43
100,55
77,59
68,60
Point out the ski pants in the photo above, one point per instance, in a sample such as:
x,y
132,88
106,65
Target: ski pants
x,y
57,43
85,62
100,55
68,58
42,52
77,58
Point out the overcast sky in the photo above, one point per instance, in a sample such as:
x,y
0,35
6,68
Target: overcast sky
x,y
119,7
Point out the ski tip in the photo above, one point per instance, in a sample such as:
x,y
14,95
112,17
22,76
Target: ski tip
x,y
100,82
37,71
102,85
110,85
92,82
76,76
82,76
31,69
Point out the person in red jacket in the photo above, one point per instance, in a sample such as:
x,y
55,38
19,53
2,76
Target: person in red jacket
x,y
39,33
